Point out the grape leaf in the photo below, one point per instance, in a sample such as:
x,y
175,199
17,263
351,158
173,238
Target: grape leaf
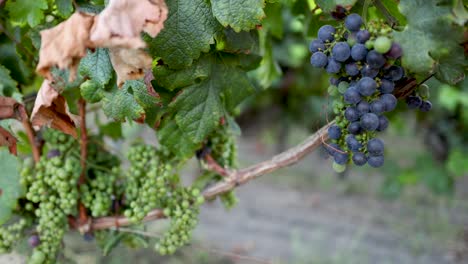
x,y
240,15
91,91
97,66
199,107
171,136
27,11
6,82
121,105
172,79
132,101
10,188
329,5
64,7
428,36
187,32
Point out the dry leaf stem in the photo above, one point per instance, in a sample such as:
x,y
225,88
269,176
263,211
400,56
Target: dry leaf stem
x,y
23,116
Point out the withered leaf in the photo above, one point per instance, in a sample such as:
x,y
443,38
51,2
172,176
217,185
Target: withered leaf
x,y
65,44
8,140
122,21
51,109
8,106
129,64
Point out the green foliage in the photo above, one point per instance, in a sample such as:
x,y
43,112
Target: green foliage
x,y
64,7
97,67
9,181
187,33
240,15
329,5
26,11
7,84
431,40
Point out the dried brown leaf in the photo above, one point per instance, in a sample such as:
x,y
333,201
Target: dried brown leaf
x,y
8,108
8,140
65,44
122,21
129,64
51,109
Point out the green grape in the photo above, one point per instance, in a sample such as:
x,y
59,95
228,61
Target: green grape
x,y
11,234
382,44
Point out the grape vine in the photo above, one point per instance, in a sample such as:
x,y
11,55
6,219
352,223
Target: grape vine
x,y
79,75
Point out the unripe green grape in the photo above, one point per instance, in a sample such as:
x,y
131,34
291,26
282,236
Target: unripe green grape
x,y
382,44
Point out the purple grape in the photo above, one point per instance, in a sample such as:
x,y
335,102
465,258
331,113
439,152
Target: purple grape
x,y
359,158
341,157
352,69
426,106
318,59
394,73
367,86
390,101
316,45
352,143
369,121
351,114
413,102
375,59
383,123
341,51
376,161
34,241
353,22
53,153
358,52
395,51
339,13
386,86
326,33
333,66
351,96
362,36
331,148
363,107
375,147
368,71
334,132
377,107
354,128
334,81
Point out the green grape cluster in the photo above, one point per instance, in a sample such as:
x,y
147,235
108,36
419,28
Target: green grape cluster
x,y
183,208
224,151
52,193
97,193
11,234
147,181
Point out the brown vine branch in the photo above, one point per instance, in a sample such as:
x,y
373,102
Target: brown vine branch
x,y
234,178
84,140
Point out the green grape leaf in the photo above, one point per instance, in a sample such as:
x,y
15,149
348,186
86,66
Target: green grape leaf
x,y
26,11
171,136
6,82
64,7
200,106
329,5
121,104
10,188
273,21
91,91
199,110
239,15
428,37
269,69
451,69
460,15
392,8
97,66
172,79
187,32
245,42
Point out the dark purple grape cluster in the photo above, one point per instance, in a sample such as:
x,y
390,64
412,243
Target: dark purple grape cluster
x,y
365,64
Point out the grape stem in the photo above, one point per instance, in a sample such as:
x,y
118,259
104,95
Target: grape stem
x,y
234,178
83,216
392,21
23,117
